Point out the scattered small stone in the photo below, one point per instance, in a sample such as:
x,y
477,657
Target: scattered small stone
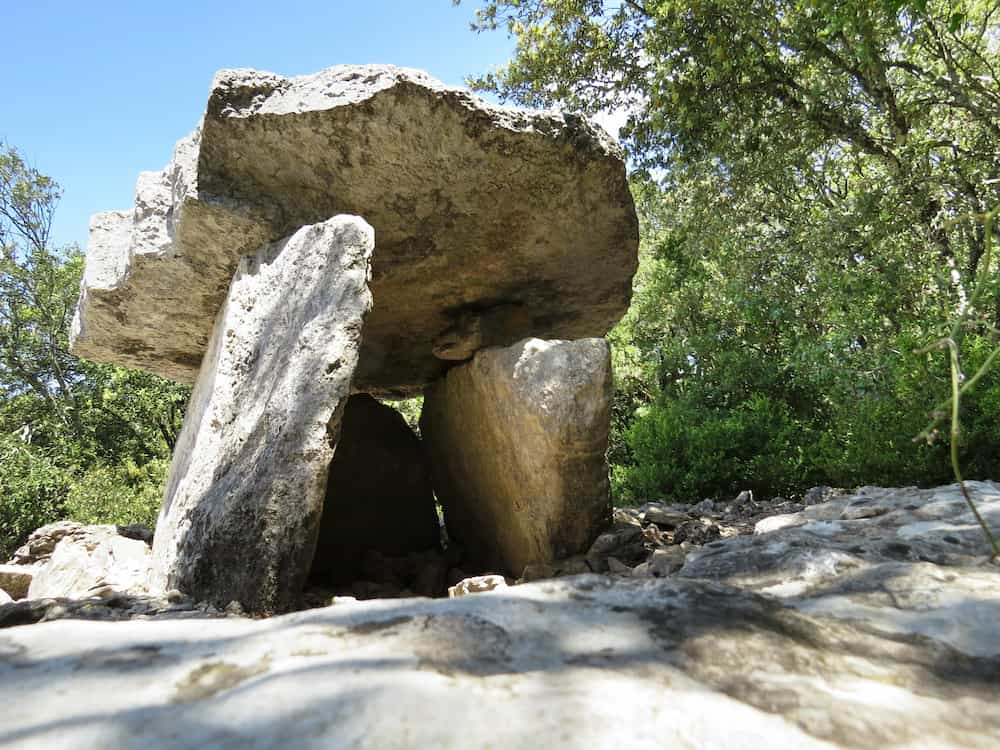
x,y
663,517
15,579
642,570
618,567
102,592
666,561
773,523
704,507
617,541
817,495
477,585
856,513
537,572
697,532
653,536
627,515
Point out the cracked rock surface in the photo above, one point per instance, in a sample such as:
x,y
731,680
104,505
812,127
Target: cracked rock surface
x,y
893,651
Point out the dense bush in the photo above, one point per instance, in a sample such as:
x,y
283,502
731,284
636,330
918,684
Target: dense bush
x,y
33,491
678,448
123,495
684,452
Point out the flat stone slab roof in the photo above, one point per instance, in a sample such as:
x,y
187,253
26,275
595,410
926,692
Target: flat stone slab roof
x,y
491,223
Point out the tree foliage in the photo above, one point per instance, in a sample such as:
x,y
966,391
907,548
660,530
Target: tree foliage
x,y
69,429
804,172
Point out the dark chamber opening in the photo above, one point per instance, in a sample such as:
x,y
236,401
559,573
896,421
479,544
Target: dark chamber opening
x,y
380,534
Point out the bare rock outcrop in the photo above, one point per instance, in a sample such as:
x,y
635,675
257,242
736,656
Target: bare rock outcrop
x,y
819,632
903,656
493,223
70,559
245,493
517,439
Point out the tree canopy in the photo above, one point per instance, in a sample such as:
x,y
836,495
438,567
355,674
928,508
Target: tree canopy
x,y
76,438
809,175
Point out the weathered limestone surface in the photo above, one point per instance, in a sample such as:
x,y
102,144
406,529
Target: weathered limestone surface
x,y
517,439
70,559
900,559
579,662
876,647
493,224
245,493
378,496
88,565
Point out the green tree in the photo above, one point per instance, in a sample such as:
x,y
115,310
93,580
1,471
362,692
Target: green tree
x,y
67,426
801,168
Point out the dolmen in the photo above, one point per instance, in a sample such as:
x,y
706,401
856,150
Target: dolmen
x,y
325,243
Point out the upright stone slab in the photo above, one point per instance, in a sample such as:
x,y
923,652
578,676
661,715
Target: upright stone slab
x,y
518,439
245,494
379,494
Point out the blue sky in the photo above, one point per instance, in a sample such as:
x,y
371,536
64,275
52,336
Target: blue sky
x,y
95,92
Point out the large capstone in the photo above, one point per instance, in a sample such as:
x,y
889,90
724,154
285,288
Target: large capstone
x,y
379,496
493,224
245,494
517,439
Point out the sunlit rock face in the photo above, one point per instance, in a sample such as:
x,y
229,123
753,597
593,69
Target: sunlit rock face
x,y
492,224
245,494
517,438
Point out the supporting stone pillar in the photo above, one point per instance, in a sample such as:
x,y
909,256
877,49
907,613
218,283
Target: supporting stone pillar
x,y
379,495
518,439
244,499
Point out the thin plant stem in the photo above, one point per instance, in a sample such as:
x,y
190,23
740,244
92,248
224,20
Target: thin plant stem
x,y
956,428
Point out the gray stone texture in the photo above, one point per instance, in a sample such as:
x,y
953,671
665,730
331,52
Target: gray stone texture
x,y
245,494
492,223
581,662
378,496
517,438
786,640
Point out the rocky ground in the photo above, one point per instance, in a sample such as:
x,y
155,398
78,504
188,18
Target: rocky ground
x,y
851,619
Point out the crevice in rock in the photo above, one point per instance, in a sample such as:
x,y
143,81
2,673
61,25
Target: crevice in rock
x,y
381,534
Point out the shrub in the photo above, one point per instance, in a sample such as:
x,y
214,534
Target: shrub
x,y
33,490
120,495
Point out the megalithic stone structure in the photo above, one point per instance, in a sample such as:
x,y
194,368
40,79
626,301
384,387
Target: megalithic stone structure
x,y
491,225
